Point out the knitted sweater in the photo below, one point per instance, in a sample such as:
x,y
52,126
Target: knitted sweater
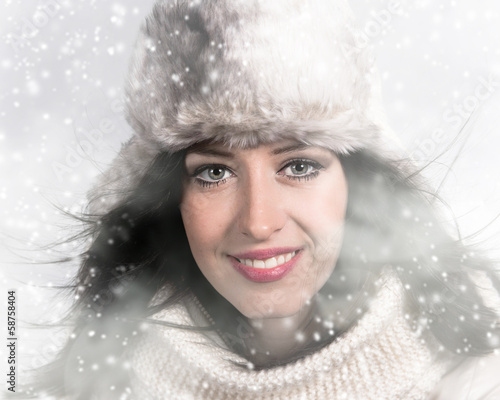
x,y
379,358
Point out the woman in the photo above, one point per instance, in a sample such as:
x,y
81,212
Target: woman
x,y
260,237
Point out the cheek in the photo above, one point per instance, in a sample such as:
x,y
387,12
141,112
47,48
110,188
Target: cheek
x,y
204,225
323,220
324,209
196,223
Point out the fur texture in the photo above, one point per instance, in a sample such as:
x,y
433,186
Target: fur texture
x,y
245,72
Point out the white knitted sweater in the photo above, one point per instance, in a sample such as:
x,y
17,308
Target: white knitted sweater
x,y
380,358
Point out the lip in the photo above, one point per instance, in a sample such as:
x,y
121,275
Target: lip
x,y
261,275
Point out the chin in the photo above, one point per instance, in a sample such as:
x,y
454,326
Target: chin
x,y
274,305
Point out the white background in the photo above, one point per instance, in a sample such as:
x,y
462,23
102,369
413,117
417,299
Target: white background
x,y
66,79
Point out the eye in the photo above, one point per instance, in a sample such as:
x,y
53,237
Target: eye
x,y
212,174
301,169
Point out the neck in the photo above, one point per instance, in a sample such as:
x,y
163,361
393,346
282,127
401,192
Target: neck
x,y
277,338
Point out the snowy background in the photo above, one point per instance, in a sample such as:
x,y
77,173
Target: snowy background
x,y
62,66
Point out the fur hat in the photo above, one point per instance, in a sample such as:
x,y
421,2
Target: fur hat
x,y
245,72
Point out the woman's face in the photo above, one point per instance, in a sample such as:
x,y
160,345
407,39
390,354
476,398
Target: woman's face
x,y
264,224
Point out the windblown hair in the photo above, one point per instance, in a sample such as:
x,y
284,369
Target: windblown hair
x,y
140,250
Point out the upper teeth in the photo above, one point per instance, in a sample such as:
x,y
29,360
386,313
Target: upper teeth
x,y
270,262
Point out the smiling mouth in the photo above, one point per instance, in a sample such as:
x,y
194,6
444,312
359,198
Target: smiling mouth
x,y
268,263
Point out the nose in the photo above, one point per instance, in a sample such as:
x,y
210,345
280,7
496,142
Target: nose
x,y
261,211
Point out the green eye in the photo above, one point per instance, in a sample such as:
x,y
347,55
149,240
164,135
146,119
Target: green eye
x,y
216,173
300,168
213,174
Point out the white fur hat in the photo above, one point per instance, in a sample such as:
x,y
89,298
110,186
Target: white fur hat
x,y
244,72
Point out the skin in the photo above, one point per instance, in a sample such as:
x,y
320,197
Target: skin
x,y
239,200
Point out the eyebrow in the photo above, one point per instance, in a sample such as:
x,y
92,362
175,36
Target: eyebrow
x,y
290,148
212,152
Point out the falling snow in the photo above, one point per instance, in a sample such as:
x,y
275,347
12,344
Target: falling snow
x,y
61,122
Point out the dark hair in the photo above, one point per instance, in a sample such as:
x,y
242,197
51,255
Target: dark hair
x,y
140,248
